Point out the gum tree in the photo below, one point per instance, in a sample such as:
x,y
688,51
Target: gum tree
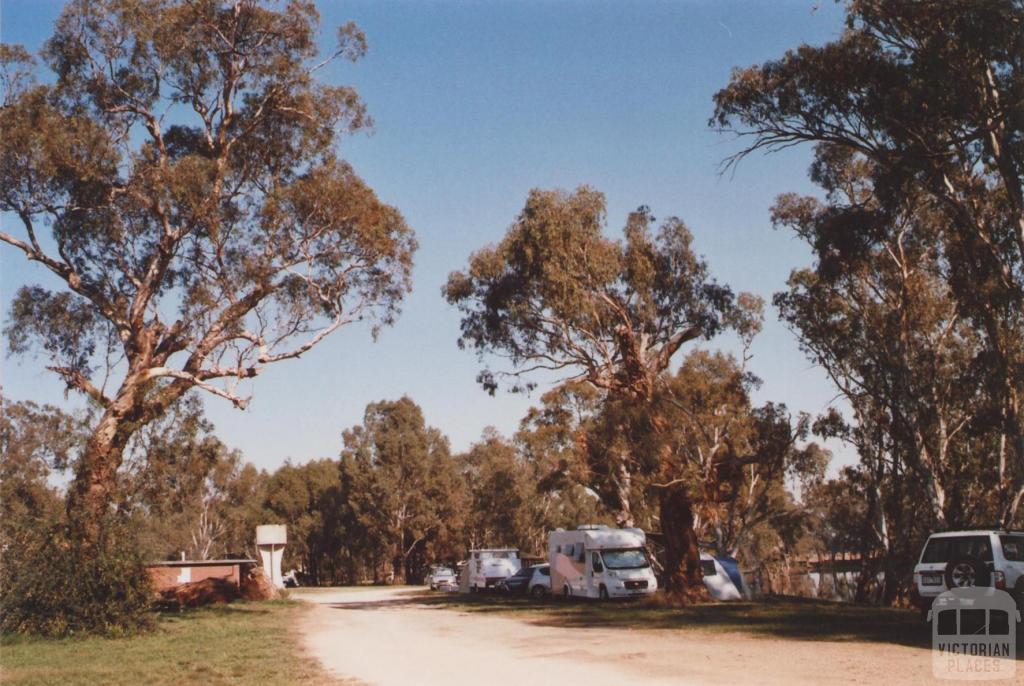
x,y
399,485
179,179
929,98
557,296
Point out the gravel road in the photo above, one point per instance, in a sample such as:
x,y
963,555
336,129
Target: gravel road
x,y
387,637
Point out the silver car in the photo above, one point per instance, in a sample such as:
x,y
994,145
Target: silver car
x,y
443,579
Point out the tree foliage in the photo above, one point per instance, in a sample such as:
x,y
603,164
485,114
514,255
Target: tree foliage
x,y
399,487
557,295
180,177
188,492
512,499
54,584
36,442
920,106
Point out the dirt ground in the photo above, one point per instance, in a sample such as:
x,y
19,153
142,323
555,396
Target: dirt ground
x,y
389,636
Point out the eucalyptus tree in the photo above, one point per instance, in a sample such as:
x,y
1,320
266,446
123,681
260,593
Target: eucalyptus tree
x,y
739,459
556,295
400,488
929,97
879,316
179,178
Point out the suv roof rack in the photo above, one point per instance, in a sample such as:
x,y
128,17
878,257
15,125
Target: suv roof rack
x,y
979,527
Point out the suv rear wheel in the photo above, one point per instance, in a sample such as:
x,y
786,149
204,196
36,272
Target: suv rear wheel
x,y
962,572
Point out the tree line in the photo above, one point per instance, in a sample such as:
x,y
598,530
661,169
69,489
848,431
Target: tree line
x,y
395,500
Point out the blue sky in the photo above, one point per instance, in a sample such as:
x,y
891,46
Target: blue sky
x,y
476,103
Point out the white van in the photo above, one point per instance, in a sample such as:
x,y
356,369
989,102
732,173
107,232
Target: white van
x,y
488,566
595,561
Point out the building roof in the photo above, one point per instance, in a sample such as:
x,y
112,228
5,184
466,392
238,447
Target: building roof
x,y
198,563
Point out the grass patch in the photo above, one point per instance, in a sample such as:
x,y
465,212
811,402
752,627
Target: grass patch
x,y
795,618
241,643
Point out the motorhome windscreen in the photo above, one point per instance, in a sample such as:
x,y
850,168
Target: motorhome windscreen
x,y
629,558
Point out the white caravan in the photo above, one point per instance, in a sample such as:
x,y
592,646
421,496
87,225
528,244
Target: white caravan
x,y
488,566
595,561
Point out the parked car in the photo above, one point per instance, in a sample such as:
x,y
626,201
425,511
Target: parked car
x,y
980,557
442,578
540,582
517,583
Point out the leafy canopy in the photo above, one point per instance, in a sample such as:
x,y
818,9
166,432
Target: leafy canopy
x,y
556,294
180,175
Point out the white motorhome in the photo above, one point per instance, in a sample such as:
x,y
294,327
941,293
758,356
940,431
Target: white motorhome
x,y
595,561
488,566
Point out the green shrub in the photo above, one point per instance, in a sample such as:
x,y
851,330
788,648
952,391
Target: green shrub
x,y
52,584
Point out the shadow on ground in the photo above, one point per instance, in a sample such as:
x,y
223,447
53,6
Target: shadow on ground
x,y
778,617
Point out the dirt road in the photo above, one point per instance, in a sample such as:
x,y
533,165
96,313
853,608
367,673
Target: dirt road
x,y
387,637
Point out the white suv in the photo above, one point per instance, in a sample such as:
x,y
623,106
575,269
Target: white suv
x,y
970,558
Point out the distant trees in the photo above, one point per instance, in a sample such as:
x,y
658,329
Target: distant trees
x,y
709,409
501,493
306,499
180,177
512,497
396,500
399,488
186,489
35,442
